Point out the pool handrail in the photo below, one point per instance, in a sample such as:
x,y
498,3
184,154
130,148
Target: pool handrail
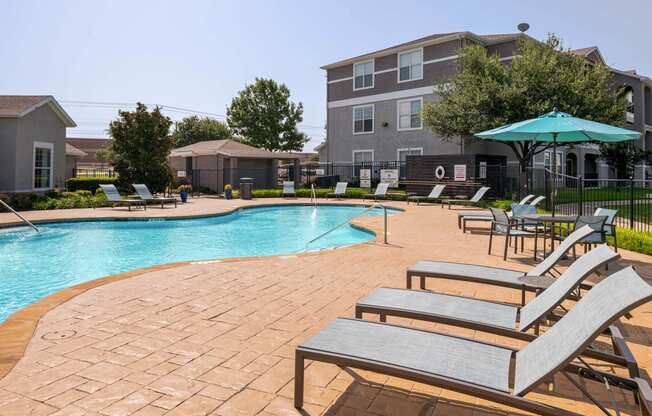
x,y
369,208
25,220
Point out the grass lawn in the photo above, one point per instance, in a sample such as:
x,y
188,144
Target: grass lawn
x,y
602,194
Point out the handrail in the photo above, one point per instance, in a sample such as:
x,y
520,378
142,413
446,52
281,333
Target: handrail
x,y
305,248
313,195
25,220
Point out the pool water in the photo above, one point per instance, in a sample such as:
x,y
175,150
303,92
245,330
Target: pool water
x,y
34,265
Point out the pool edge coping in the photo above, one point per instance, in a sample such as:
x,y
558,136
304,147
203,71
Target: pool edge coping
x,y
19,328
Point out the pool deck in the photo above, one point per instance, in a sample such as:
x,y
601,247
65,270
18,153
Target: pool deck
x,y
218,338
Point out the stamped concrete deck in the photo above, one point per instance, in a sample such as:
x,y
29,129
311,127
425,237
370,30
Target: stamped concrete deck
x,y
218,338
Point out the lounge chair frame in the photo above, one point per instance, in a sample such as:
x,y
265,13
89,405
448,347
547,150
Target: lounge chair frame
x,y
144,193
433,196
128,202
476,198
340,190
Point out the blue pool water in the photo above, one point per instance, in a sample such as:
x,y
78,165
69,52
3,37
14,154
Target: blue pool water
x,y
34,265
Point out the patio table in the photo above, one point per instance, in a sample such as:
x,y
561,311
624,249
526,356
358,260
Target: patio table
x,y
546,219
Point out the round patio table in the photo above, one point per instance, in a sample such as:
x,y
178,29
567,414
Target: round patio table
x,y
552,220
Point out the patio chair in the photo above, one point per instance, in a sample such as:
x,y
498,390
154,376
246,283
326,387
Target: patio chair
x,y
379,193
434,195
609,225
340,190
488,316
503,225
113,196
466,202
598,236
144,194
288,189
464,217
534,280
482,369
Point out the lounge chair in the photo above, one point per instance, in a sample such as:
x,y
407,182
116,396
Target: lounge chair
x,y
526,199
340,190
473,201
380,193
434,195
532,281
144,194
113,196
498,318
537,200
481,369
464,217
288,189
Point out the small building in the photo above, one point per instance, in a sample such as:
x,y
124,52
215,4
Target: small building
x,y
215,163
90,146
73,156
32,143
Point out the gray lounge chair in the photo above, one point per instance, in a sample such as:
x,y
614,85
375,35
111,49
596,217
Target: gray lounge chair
x,y
483,216
532,281
144,194
537,200
380,193
473,201
340,190
288,189
434,195
481,369
498,318
113,196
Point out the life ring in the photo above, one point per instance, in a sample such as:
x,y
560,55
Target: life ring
x,y
440,172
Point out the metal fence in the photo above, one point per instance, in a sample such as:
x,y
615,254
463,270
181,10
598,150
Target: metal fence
x,y
95,172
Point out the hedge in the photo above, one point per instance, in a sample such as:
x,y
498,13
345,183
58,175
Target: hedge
x,y
88,183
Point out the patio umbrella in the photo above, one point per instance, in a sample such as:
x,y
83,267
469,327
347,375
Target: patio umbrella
x,y
558,127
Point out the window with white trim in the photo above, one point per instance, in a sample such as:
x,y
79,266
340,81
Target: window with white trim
x,y
43,165
410,65
363,119
409,114
404,153
483,170
360,156
547,160
363,75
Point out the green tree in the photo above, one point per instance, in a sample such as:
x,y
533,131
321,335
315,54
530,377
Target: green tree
x,y
194,129
487,93
102,155
141,147
263,116
623,157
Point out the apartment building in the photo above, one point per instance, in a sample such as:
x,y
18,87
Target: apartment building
x,y
374,103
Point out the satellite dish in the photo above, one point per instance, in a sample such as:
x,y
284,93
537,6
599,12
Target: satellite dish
x,y
523,27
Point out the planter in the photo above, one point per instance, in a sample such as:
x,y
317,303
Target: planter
x,y
228,193
184,197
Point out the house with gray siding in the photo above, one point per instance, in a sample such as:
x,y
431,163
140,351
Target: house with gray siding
x,y
374,103
33,143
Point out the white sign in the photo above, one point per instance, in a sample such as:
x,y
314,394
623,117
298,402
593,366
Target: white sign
x,y
365,178
459,172
181,174
389,176
319,172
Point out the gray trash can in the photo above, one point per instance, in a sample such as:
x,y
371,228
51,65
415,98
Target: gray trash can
x,y
246,186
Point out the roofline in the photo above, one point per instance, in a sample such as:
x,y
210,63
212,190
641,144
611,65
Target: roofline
x,y
402,47
56,107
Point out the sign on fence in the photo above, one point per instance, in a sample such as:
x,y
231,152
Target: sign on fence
x,y
459,172
389,176
181,174
365,178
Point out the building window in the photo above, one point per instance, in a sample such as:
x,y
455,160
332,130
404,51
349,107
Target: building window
x,y
409,114
547,160
363,119
362,156
483,170
410,65
43,153
363,75
404,153
629,97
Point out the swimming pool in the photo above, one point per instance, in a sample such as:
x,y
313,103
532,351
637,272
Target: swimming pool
x,y
34,265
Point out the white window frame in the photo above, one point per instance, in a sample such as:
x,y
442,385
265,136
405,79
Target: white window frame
x,y
373,74
398,114
560,159
362,151
407,149
373,119
50,147
398,65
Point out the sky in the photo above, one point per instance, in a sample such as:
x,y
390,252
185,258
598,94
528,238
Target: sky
x,y
95,57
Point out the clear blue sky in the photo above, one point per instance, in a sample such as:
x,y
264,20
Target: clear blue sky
x,y
198,54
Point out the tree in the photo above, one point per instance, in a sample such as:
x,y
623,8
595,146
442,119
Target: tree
x,y
487,93
141,147
263,116
194,129
102,155
623,157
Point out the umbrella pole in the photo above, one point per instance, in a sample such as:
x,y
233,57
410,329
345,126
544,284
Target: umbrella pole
x,y
554,172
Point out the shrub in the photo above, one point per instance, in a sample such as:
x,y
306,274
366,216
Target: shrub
x,y
638,241
20,202
89,183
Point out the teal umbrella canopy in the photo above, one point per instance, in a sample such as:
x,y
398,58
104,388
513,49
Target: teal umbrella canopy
x,y
559,127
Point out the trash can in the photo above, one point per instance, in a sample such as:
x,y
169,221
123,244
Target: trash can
x,y
246,186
